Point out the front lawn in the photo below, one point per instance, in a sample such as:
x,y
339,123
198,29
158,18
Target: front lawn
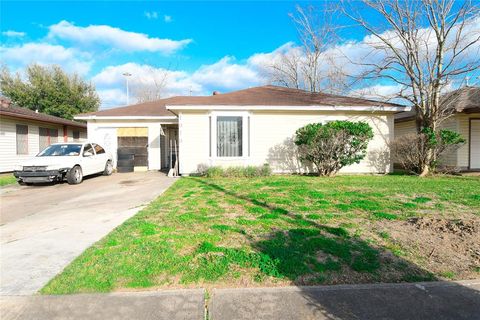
x,y
6,179
285,230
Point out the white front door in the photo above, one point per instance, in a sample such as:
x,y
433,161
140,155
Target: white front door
x,y
475,144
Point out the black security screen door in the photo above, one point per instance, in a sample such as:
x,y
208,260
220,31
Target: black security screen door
x,y
229,137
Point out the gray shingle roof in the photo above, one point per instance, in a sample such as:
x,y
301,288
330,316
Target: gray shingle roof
x,y
464,100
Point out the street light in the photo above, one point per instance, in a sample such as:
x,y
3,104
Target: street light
x,y
126,75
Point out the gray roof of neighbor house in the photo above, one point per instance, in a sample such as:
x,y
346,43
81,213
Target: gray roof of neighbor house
x,y
464,100
257,96
8,109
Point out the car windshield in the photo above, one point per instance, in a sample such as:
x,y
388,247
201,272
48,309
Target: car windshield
x,y
59,150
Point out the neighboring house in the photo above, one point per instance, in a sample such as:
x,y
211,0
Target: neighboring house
x,y
247,127
465,120
24,133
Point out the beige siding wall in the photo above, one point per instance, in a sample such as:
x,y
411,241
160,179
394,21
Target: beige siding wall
x,y
193,135
449,159
271,141
459,123
8,141
403,128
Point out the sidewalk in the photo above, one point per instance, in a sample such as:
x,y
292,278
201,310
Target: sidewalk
x,y
431,300
422,301
158,305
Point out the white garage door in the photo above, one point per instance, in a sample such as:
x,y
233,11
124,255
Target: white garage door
x,y
475,144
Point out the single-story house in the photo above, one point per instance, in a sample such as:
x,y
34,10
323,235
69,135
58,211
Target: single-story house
x,y
246,127
465,120
24,133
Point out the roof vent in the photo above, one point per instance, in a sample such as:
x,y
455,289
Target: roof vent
x,y
215,93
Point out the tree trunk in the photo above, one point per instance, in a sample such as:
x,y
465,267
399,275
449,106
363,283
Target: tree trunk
x,y
425,170
426,166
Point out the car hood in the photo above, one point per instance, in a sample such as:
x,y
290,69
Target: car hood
x,y
63,161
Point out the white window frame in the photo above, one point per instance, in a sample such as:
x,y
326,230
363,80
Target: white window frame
x,y
213,134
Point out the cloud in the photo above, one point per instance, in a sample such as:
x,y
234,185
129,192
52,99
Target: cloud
x,y
112,97
167,18
72,60
223,75
354,55
377,91
116,38
226,75
110,79
151,14
12,33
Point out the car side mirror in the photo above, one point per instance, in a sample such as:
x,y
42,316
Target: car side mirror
x,y
87,154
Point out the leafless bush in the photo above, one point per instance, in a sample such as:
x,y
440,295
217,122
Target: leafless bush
x,y
411,151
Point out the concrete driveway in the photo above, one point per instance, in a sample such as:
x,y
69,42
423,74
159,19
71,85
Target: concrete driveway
x,y
43,228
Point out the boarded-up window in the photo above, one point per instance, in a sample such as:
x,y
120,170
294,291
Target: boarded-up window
x,y
76,135
22,139
47,136
229,136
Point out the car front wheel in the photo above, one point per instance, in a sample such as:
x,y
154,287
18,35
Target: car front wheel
x,y
108,168
75,175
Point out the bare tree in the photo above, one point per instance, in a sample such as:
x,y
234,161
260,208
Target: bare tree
x,y
310,66
423,46
152,85
286,70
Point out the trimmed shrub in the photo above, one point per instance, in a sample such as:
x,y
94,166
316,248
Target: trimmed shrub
x,y
331,146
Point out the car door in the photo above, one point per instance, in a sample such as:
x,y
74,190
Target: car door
x,y
89,162
100,157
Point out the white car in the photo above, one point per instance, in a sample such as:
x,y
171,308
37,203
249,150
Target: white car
x,y
69,160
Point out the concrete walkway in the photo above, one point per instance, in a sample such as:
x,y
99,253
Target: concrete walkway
x,y
43,228
425,301
167,305
422,301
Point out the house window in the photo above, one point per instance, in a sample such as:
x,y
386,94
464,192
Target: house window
x,y
229,136
22,139
76,135
47,136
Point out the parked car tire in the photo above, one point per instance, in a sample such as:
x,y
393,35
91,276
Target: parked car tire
x,y
108,168
75,175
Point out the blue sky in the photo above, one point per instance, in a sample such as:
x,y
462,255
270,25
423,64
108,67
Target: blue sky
x,y
204,46
217,29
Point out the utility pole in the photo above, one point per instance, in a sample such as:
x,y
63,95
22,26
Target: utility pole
x,y
126,75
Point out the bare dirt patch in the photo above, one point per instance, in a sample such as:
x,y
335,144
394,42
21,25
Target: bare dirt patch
x,y
459,227
449,247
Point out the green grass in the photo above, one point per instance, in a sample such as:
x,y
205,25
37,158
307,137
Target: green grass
x,y
271,230
7,179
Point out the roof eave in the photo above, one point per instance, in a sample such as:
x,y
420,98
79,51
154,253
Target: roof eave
x,y
378,108
99,117
33,118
